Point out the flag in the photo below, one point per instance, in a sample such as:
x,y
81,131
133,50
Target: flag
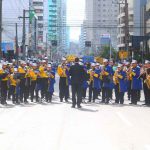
x,y
32,15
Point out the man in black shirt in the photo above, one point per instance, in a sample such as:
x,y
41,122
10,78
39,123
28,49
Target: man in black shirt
x,y
77,77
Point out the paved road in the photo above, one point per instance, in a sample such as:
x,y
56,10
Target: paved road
x,y
57,126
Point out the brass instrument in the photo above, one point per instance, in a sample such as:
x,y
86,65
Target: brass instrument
x,y
147,80
115,77
129,73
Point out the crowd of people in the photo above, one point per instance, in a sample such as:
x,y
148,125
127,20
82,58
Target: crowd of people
x,y
22,80
122,78
34,81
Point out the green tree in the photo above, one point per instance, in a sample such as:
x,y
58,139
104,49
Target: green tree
x,y
105,52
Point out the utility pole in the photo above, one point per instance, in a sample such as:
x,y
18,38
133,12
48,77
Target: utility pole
x,y
17,51
35,34
127,28
24,34
1,28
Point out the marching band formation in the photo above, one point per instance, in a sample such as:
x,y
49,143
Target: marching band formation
x,y
123,78
34,80
18,82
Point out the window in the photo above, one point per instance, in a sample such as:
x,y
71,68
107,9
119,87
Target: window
x,y
37,3
40,18
40,32
40,25
39,10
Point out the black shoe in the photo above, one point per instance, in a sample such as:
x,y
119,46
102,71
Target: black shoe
x,y
26,102
130,103
17,103
79,106
72,106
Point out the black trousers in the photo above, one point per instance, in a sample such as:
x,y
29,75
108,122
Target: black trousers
x,y
9,93
93,92
4,89
105,94
129,91
44,87
63,89
83,92
49,97
32,89
24,89
13,93
111,93
68,94
139,95
37,95
24,93
76,94
134,96
117,93
146,94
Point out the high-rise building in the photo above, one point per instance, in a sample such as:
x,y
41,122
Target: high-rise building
x,y
135,21
57,29
82,38
101,19
38,7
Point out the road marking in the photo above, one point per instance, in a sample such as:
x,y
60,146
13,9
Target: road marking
x,y
126,121
147,147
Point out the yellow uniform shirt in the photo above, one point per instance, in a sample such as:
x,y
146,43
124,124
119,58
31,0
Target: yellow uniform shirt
x,y
61,71
13,81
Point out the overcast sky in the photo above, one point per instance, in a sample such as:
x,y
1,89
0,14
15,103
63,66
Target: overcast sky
x,y
75,16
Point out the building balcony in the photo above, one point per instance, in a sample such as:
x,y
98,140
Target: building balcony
x,y
121,15
121,35
131,12
131,33
121,45
37,1
148,6
131,23
38,7
39,14
121,25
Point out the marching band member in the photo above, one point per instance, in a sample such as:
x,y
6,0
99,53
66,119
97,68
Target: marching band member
x,y
85,82
68,77
91,74
4,76
14,86
128,68
121,83
106,83
44,81
145,75
111,64
33,79
136,83
97,81
51,82
63,81
23,89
